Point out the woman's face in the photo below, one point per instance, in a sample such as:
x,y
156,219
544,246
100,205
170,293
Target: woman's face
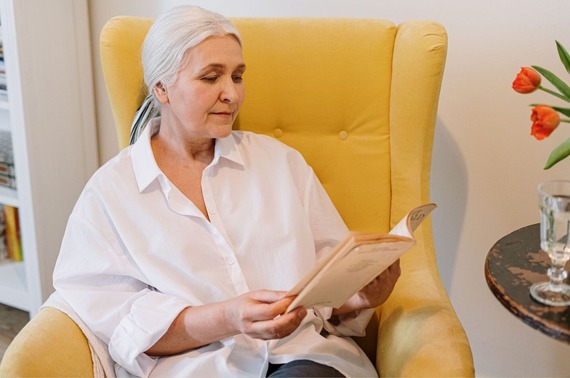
x,y
208,92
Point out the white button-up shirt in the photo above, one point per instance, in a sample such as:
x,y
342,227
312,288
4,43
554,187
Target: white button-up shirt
x,y
136,252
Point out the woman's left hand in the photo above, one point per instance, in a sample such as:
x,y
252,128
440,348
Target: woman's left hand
x,y
373,294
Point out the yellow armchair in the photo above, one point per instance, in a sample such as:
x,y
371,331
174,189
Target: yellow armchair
x,y
358,98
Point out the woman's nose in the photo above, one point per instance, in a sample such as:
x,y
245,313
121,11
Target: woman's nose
x,y
229,92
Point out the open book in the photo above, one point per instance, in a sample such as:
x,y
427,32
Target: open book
x,y
356,261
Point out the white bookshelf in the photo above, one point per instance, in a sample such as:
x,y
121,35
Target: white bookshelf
x,y
50,115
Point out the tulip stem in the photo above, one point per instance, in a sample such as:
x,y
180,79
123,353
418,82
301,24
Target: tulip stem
x,y
554,93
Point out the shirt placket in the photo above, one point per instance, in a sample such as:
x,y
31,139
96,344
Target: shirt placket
x,y
223,243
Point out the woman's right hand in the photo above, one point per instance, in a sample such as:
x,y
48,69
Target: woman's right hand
x,y
260,315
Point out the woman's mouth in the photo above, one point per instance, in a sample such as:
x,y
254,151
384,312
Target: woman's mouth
x,y
222,114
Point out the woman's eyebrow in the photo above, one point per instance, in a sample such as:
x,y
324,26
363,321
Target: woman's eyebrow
x,y
220,66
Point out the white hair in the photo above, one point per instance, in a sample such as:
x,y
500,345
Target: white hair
x,y
172,34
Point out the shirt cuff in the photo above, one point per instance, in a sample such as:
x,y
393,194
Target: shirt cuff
x,y
149,319
348,325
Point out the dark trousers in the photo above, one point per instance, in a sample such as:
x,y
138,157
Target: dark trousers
x,y
302,368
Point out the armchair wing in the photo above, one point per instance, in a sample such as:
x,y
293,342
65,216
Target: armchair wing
x,y
419,330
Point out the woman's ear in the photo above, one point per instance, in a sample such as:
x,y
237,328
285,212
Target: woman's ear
x,y
160,93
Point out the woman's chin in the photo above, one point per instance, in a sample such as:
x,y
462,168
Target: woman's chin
x,y
222,132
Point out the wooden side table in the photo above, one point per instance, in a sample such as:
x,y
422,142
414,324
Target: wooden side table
x,y
513,264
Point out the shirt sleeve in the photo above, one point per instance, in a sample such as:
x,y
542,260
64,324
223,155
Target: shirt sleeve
x,y
105,289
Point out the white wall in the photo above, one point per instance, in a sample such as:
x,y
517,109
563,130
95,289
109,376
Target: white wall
x,y
486,166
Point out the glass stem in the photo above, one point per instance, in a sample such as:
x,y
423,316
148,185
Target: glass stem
x,y
557,273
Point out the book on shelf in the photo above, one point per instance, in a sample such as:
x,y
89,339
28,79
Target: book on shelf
x,y
3,246
3,80
7,171
355,262
7,181
12,233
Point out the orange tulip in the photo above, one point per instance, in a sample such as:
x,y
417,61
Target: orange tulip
x,y
527,81
544,121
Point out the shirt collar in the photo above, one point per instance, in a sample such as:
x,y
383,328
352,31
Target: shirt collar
x,y
146,169
228,149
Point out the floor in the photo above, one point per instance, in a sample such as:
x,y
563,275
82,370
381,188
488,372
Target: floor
x,y
11,322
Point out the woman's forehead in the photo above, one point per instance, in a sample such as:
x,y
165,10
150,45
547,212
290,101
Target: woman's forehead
x,y
218,52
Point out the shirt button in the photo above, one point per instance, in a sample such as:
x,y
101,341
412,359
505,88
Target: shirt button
x,y
231,261
278,133
343,135
211,211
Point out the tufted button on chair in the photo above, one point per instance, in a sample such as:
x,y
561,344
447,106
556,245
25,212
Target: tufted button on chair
x,y
358,98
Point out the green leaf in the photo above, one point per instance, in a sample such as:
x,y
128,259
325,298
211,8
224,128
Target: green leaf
x,y
558,154
565,111
555,80
564,57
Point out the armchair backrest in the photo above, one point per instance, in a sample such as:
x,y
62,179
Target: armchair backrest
x,y
358,98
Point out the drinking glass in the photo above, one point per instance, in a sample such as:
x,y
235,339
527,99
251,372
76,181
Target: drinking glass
x,y
554,204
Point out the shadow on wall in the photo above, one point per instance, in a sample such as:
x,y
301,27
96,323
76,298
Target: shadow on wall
x,y
449,191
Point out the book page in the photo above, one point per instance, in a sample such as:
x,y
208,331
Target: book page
x,y
356,261
412,220
351,273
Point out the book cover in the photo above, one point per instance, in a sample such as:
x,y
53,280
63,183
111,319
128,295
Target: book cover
x,y
356,261
12,233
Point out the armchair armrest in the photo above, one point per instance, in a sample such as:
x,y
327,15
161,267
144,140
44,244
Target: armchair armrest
x,y
50,345
420,333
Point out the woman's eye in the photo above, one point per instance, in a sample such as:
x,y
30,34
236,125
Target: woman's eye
x,y
237,78
210,79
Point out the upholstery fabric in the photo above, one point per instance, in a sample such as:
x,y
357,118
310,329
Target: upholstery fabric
x,y
358,98
50,345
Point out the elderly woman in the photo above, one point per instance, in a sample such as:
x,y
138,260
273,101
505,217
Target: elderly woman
x,y
180,249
